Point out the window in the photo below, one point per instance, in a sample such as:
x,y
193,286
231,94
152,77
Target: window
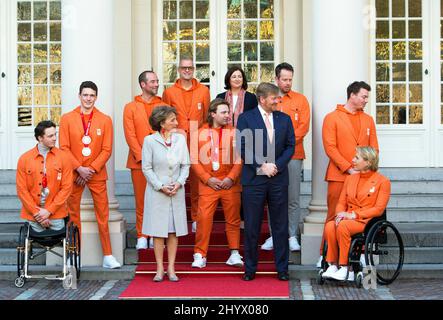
x,y
39,61
399,62
251,38
186,33
198,28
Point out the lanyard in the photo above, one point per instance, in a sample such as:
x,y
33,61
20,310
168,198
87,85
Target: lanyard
x,y
87,127
215,146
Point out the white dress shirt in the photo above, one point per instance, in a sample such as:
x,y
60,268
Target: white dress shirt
x,y
263,114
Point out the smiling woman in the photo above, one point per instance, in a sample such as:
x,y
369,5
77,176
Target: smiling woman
x,y
38,62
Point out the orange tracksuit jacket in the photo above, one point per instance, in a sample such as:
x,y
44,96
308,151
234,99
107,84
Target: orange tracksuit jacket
x,y
208,197
198,110
29,182
368,202
101,133
297,107
136,127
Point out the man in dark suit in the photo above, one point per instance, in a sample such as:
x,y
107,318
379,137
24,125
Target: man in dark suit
x,y
266,142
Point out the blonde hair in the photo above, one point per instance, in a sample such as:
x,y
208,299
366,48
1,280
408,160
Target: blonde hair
x,y
370,155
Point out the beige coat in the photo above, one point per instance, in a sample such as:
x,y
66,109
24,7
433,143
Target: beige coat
x,y
163,165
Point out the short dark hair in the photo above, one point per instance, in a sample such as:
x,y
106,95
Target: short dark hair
x,y
88,85
40,129
159,115
229,75
283,66
265,89
213,108
355,87
142,76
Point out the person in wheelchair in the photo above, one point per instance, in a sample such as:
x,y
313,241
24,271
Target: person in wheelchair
x,y
44,181
365,195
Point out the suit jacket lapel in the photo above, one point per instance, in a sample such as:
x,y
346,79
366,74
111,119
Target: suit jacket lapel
x,y
368,187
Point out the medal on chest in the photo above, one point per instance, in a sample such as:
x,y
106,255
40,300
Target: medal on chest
x,y
86,140
45,189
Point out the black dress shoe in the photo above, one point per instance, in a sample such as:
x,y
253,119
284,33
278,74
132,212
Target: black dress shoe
x,y
249,276
283,276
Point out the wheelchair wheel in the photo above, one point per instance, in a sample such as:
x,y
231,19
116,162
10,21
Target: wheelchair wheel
x,y
21,251
359,280
75,248
19,282
385,252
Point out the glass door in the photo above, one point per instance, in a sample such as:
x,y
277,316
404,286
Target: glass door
x,y
218,34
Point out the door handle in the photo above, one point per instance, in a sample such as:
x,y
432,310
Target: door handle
x,y
3,75
426,72
213,73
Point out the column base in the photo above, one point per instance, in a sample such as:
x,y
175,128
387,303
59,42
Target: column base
x,y
92,254
312,234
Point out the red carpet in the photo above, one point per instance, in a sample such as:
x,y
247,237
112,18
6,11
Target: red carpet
x,y
207,286
217,280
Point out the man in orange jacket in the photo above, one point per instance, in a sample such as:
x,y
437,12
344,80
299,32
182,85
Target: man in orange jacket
x,y
216,167
136,126
345,129
86,135
191,100
296,106
44,181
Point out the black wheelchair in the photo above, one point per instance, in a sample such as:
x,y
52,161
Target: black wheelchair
x,y
67,238
382,248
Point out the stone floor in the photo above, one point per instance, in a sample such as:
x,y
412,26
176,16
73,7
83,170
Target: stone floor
x,y
407,289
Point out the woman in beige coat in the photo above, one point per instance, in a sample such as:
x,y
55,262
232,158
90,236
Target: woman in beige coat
x,y
165,164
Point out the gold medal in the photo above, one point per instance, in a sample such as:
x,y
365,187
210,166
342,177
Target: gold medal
x,y
86,152
86,140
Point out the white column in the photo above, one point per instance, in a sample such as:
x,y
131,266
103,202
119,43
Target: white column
x,y
340,55
88,55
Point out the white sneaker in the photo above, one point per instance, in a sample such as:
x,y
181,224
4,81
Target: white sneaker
x,y
194,227
199,261
142,243
242,225
330,271
293,244
235,260
342,273
110,262
320,260
268,245
151,242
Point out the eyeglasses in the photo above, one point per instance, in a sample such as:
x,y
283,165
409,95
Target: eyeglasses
x,y
186,68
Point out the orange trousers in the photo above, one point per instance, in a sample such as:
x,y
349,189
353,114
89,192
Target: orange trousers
x,y
101,207
339,239
231,208
334,191
194,181
139,183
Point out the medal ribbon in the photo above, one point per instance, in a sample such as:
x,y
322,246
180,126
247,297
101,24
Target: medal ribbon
x,y
87,127
215,145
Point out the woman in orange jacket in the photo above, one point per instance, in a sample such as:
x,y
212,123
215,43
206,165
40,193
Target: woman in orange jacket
x,y
364,196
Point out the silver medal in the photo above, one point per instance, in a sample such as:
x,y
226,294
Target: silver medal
x,y
86,152
86,140
45,192
216,166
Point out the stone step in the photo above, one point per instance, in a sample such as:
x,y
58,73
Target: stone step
x,y
415,214
430,255
8,256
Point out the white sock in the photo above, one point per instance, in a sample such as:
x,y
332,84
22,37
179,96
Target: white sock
x,y
234,251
